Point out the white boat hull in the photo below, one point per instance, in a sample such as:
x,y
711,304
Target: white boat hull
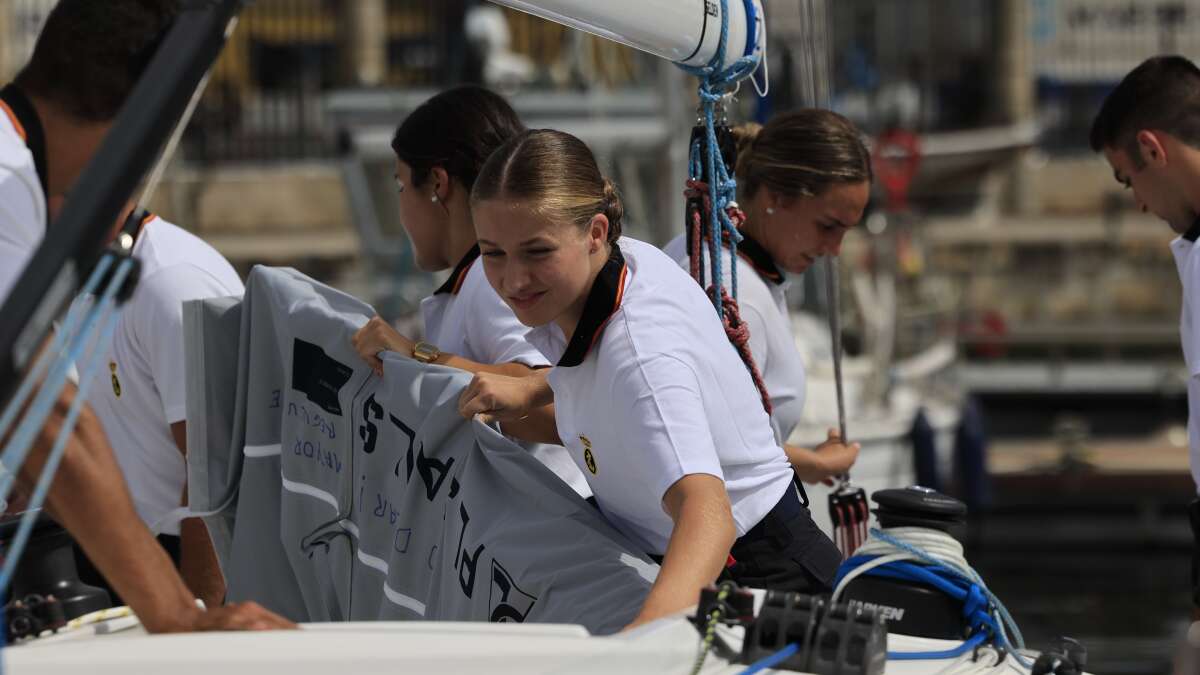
x,y
665,647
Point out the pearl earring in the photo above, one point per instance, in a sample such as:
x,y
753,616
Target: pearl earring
x,y
770,211
433,199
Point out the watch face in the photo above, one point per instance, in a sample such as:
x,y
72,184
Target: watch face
x,y
425,352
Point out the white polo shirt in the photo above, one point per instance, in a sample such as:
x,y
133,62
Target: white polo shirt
x,y
1187,261
466,317
22,186
649,390
762,301
139,391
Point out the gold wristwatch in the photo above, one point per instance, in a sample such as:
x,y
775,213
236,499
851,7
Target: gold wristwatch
x,y
425,352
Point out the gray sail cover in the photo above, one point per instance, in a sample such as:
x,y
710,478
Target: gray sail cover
x,y
333,494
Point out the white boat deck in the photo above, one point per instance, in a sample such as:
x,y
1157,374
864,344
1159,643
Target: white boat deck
x,y
666,647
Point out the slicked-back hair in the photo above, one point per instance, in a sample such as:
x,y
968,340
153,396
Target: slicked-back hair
x,y
457,130
556,174
800,154
1162,94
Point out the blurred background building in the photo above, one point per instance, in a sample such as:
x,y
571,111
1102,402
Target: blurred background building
x,y
1011,241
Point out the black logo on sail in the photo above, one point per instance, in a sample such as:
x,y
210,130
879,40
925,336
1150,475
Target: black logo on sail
x,y
318,376
509,604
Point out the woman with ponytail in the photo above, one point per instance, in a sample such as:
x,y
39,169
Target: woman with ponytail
x,y
803,182
650,399
440,149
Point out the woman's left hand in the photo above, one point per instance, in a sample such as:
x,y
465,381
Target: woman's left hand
x,y
821,464
835,457
379,336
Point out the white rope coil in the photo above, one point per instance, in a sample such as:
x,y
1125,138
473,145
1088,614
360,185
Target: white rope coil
x,y
938,545
932,547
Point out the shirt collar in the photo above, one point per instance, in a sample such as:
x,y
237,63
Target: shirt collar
x,y
602,302
1193,232
23,116
753,253
455,282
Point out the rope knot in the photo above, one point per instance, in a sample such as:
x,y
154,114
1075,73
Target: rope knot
x,y
713,216
738,333
977,610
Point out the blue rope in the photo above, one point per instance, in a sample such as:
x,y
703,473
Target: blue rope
x,y
772,660
42,489
984,612
26,433
715,82
67,348
56,347
1004,613
971,643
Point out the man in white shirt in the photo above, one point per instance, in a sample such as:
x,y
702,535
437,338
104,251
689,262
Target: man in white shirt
x,y
53,119
141,403
1149,131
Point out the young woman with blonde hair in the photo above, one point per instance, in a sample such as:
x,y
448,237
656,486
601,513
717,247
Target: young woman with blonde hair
x,y
651,401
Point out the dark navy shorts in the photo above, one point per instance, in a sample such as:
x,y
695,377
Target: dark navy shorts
x,y
785,551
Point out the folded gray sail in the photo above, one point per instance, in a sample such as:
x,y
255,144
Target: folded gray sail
x,y
333,494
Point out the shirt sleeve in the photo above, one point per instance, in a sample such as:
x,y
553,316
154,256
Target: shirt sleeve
x,y
758,333
22,222
157,310
494,332
665,430
1193,426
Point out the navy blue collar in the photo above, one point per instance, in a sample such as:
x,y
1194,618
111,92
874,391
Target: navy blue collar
x,y
29,125
753,253
602,302
759,259
455,282
1193,232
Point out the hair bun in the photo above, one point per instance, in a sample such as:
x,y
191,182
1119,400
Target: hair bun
x,y
745,135
614,210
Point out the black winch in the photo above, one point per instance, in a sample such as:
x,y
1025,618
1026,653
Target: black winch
x,y
910,607
918,506
46,575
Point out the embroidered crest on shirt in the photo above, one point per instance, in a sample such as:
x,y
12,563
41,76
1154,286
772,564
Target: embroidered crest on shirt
x,y
588,459
112,367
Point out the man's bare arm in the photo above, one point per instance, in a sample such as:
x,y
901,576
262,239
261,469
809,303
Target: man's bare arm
x,y
89,498
197,558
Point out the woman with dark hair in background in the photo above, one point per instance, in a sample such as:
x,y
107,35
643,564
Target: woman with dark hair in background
x,y
803,181
650,399
439,150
